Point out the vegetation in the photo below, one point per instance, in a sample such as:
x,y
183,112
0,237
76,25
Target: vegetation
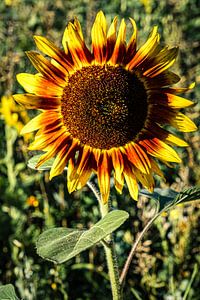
x,y
166,261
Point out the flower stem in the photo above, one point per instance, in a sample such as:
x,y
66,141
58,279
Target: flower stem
x,y
132,252
112,264
108,244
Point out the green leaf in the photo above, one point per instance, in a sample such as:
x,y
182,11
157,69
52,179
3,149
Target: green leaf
x,y
190,194
7,292
168,198
164,197
45,166
61,244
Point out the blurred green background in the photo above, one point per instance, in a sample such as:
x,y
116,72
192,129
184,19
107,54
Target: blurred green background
x,y
164,263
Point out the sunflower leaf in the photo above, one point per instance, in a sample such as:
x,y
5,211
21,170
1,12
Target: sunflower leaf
x,y
32,162
190,194
61,244
7,292
167,198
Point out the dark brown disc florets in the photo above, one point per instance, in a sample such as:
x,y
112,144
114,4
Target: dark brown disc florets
x,y
104,106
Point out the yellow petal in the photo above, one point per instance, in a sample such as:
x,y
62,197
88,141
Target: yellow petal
x,y
62,158
131,47
161,62
179,90
80,53
146,180
159,149
103,172
183,123
170,100
178,102
111,38
77,25
43,141
138,157
80,174
155,168
52,151
37,102
36,84
131,181
43,118
46,68
145,51
99,39
120,45
166,136
118,164
47,47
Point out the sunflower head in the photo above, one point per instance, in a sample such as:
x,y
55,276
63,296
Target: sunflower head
x,y
104,109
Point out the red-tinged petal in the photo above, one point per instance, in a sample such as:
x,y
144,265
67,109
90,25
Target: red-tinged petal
x,y
138,157
131,181
47,47
70,168
82,159
37,102
146,180
165,136
76,45
132,44
104,170
111,38
161,62
120,45
65,35
96,153
42,119
177,90
43,141
160,150
162,80
169,100
164,115
48,70
119,184
84,177
36,84
118,164
53,150
156,169
81,172
99,39
53,127
77,25
62,158
145,51
159,68
168,116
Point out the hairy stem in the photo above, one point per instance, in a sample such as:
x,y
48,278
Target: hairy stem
x,y
108,244
112,264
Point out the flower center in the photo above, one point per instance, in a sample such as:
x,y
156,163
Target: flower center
x,y
104,106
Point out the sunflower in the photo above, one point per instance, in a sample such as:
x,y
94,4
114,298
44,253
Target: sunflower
x,y
104,110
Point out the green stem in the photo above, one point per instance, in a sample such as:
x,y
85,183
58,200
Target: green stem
x,y
10,139
112,264
134,247
108,244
